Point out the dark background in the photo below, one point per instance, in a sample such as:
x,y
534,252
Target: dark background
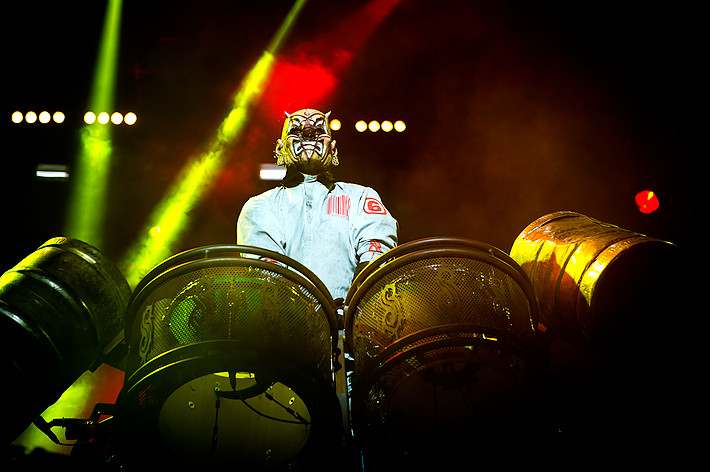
x,y
514,110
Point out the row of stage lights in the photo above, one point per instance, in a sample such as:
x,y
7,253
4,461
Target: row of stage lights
x,y
90,118
646,201
116,118
130,118
42,117
372,126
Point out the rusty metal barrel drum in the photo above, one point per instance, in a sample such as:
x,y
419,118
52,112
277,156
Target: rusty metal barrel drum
x,y
442,332
61,308
595,281
614,308
230,361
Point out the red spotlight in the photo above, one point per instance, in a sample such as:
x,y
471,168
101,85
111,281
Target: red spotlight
x,y
305,77
298,84
646,201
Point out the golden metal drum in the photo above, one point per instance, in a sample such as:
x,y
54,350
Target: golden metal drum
x,y
442,332
230,362
594,280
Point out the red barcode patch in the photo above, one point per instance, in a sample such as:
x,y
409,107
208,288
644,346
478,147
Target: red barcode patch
x,y
339,205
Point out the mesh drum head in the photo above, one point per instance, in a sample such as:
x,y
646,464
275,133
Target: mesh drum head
x,y
230,360
442,339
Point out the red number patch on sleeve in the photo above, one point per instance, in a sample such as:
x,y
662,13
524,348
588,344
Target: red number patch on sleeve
x,y
374,207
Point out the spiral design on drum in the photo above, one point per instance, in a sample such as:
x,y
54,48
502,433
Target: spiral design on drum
x,y
442,332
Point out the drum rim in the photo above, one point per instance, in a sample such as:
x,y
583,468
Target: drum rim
x,y
362,416
192,265
424,243
515,271
384,359
187,256
324,407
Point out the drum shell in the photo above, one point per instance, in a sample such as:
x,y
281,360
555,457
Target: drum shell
x,y
397,304
444,316
593,280
212,310
241,307
61,307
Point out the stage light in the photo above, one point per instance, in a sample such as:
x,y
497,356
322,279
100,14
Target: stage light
x,y
104,118
43,117
335,124
130,118
646,201
52,172
375,125
271,172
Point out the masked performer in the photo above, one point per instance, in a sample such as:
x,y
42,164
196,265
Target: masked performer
x,y
333,228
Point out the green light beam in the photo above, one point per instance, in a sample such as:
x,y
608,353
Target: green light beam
x,y
85,219
171,216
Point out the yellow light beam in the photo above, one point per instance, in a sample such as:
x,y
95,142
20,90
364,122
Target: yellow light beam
x,y
170,217
85,218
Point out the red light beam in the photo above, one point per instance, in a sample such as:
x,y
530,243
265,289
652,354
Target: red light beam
x,y
306,77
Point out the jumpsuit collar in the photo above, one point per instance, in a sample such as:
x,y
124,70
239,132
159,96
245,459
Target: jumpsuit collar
x,y
294,178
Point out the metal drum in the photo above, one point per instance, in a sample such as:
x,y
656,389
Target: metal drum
x,y
594,280
442,332
230,361
61,310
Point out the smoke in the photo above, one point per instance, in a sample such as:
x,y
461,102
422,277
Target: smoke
x,y
508,130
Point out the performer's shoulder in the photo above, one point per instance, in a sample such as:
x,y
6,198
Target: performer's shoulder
x,y
266,198
354,189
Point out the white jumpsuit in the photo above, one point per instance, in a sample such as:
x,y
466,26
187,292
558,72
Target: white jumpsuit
x,y
330,227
